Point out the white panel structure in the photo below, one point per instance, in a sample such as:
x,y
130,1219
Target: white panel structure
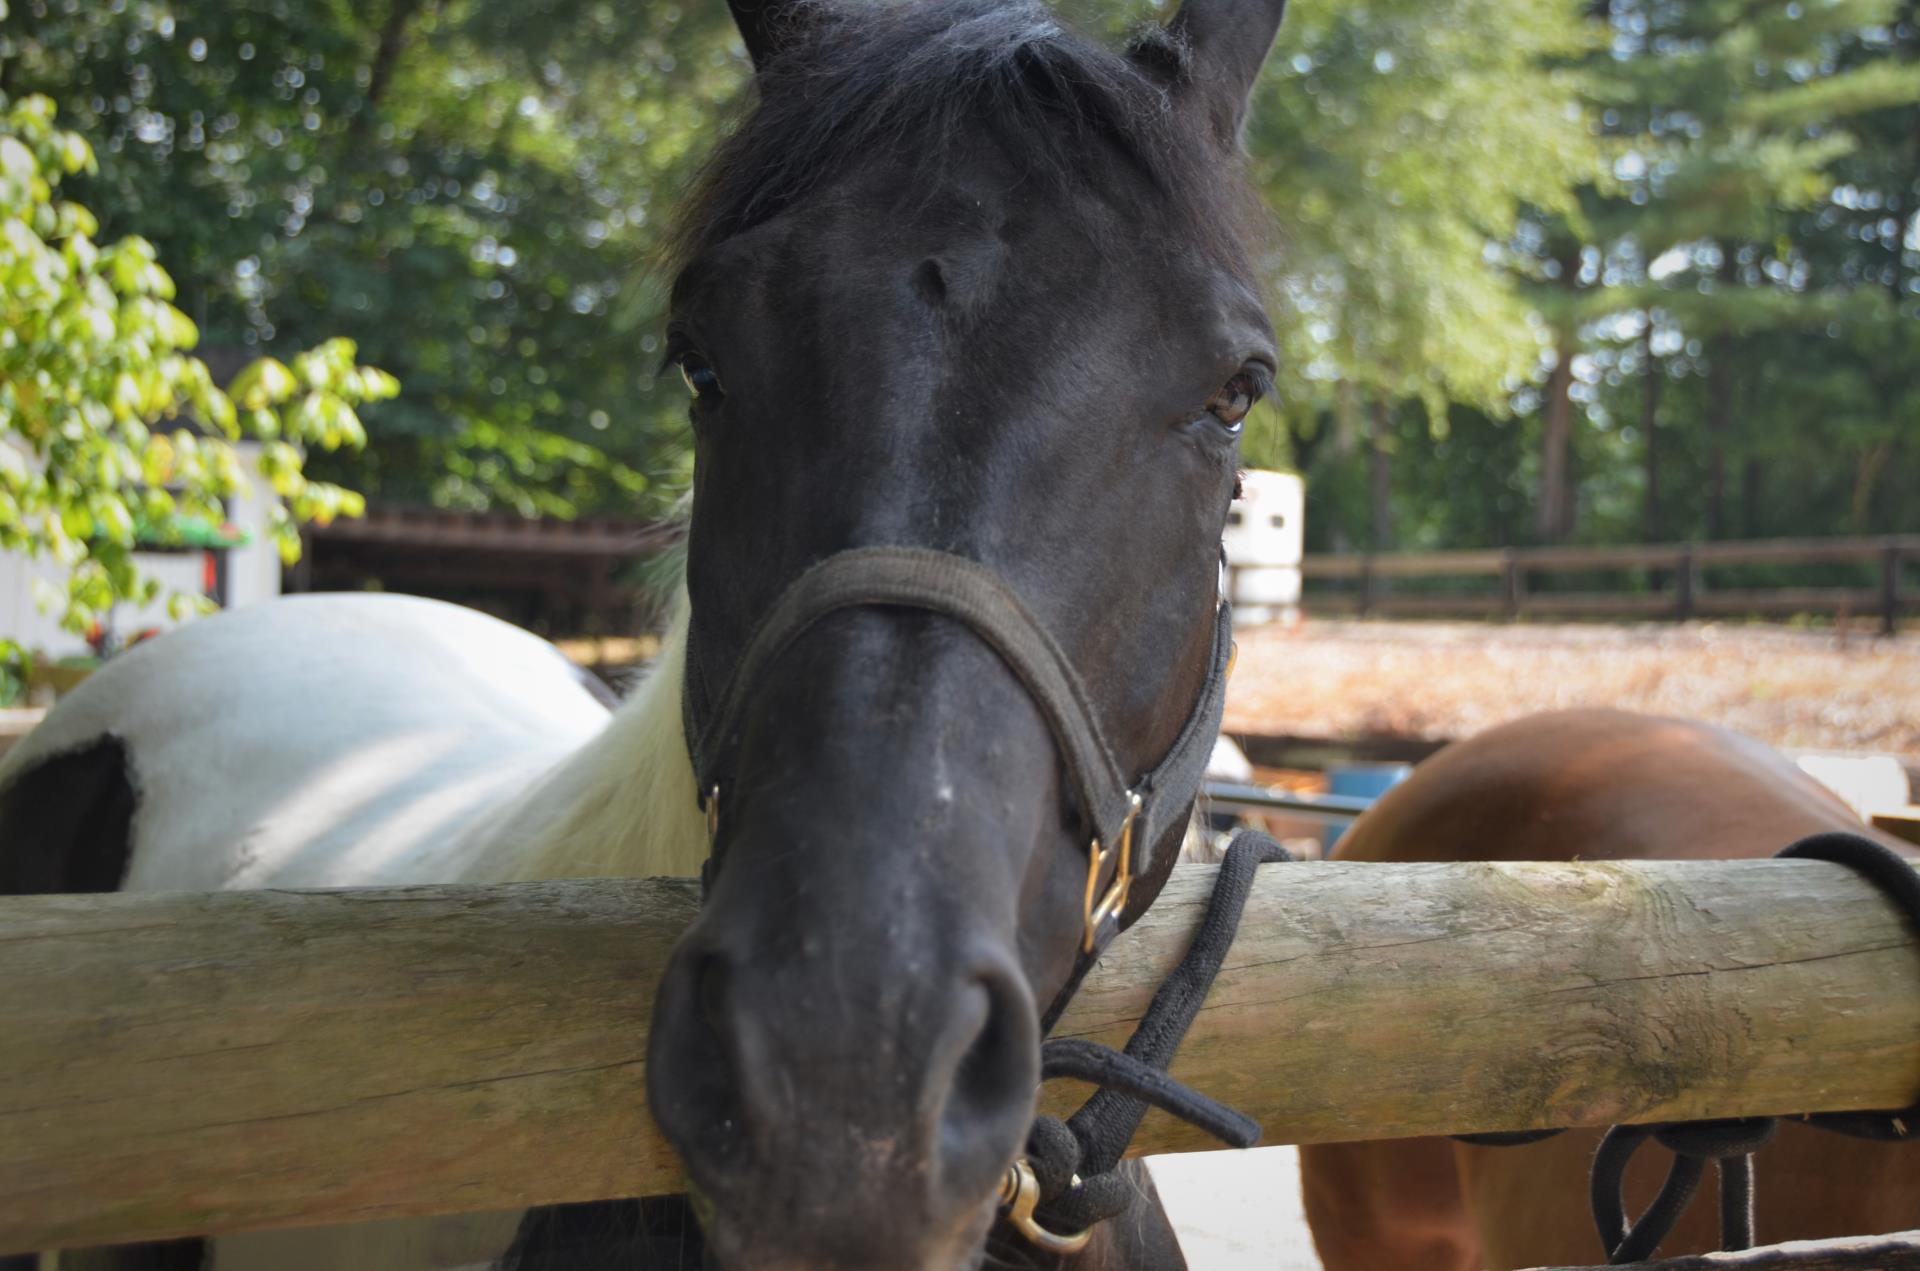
x,y
252,575
253,571
1264,541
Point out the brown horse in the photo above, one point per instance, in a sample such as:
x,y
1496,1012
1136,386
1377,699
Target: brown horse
x,y
1604,785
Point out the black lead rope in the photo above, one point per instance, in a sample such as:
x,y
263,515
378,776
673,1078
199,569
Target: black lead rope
x,y
1729,1144
1092,1141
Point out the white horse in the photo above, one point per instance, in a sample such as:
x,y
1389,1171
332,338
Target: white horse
x,y
361,740
366,740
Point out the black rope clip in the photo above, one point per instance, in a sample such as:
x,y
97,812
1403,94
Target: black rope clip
x,y
1073,1162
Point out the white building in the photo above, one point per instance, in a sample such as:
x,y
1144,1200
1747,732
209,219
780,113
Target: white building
x,y
233,577
1264,541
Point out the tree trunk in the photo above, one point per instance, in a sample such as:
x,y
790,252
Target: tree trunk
x,y
1752,476
386,55
1651,375
1346,427
1721,391
1903,203
1872,465
1380,464
1304,446
1719,430
1553,509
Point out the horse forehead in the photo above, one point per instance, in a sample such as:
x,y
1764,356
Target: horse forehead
x,y
976,206
1020,241
1047,265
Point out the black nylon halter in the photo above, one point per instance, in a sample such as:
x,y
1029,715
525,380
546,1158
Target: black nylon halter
x,y
976,597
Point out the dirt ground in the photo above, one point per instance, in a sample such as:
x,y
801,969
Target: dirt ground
x,y
1237,1211
1344,679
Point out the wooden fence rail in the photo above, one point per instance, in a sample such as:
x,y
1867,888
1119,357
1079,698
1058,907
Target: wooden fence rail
x,y
1685,596
1897,1252
172,1064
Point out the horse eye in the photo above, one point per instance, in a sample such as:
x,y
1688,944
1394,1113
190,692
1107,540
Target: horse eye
x,y
1235,398
702,380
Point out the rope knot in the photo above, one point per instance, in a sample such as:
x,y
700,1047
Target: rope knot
x,y
1054,1154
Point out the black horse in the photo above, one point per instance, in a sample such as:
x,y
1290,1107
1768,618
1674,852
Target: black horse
x,y
967,311
967,282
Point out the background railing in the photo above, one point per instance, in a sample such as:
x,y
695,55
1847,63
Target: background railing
x,y
1679,581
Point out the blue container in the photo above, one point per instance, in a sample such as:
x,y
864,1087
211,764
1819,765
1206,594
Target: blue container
x,y
1361,781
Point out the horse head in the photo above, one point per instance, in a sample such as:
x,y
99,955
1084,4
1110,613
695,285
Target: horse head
x,y
967,312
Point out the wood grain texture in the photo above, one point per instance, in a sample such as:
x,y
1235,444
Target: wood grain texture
x,y
175,1064
1899,1252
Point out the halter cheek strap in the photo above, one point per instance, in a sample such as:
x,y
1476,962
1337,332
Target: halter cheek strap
x,y
1129,820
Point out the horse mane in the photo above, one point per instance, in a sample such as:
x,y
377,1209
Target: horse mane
x,y
624,804
852,81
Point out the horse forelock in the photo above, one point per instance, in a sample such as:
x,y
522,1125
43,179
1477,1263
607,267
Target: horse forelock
x,y
853,83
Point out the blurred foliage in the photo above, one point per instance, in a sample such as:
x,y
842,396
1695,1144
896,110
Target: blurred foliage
x,y
1400,145
94,366
1735,280
468,189
1710,197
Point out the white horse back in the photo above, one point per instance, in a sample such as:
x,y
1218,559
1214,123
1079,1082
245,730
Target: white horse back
x,y
324,740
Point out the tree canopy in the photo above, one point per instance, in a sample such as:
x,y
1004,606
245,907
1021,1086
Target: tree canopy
x,y
1542,269
1727,295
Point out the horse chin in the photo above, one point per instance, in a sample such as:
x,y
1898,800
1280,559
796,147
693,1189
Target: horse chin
x,y
841,1243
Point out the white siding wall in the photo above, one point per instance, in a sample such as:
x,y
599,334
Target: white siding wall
x,y
1265,537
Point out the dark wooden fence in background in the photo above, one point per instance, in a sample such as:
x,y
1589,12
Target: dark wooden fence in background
x,y
558,578
1651,581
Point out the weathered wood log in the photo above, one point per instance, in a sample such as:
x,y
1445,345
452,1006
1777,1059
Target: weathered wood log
x,y
1900,1252
172,1064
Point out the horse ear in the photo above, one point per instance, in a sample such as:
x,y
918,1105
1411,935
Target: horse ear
x,y
763,25
1226,43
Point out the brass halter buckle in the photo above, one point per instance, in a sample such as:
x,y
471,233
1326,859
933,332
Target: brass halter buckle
x,y
1097,857
1019,1193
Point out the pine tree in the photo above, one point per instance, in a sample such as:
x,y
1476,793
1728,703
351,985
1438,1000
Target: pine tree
x,y
1737,127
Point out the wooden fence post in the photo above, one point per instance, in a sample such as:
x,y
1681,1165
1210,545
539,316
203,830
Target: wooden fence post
x,y
1686,583
1512,583
1890,563
1366,584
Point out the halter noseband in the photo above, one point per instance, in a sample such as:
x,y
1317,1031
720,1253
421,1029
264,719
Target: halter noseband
x,y
1118,811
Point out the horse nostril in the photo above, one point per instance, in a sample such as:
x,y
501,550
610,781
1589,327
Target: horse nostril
x,y
693,1058
989,1101
982,1075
